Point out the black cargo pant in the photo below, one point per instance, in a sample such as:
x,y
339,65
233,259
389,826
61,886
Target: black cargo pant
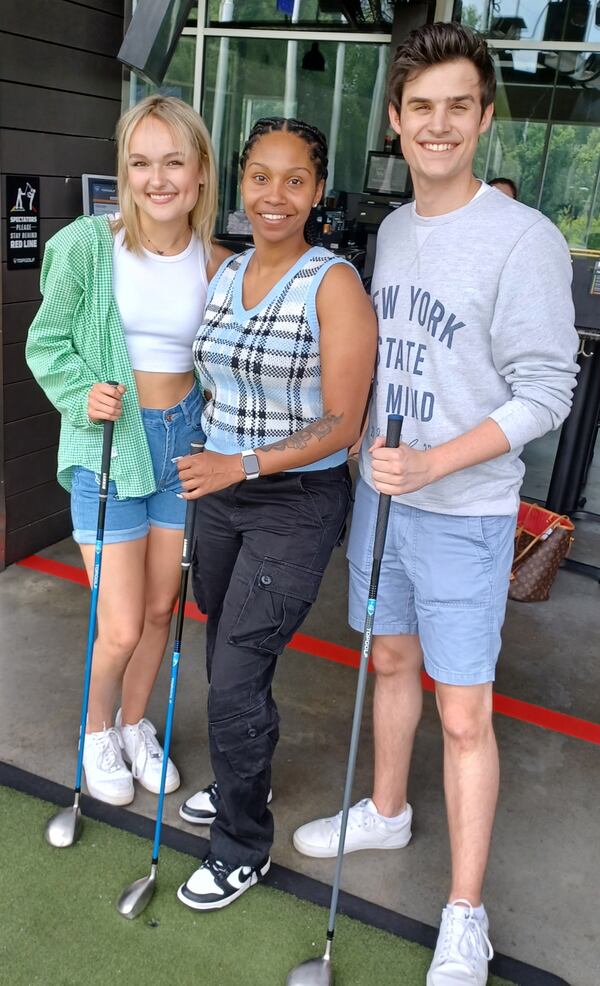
x,y
260,550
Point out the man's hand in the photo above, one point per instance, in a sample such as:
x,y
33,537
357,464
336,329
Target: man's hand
x,y
105,402
208,472
399,470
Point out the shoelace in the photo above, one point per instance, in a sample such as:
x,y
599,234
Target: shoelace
x,y
146,744
364,820
473,943
213,792
217,867
109,757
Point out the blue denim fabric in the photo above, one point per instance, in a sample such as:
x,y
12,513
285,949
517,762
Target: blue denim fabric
x,y
443,576
169,433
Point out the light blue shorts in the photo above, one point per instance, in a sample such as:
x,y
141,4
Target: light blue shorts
x,y
443,577
169,433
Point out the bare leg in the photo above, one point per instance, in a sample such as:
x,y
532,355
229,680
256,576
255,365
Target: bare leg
x,y
120,621
162,577
397,706
471,772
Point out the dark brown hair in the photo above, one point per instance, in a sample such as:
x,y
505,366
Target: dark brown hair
x,y
434,44
506,181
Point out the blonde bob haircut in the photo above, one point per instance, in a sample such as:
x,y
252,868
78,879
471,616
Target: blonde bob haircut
x,y
191,133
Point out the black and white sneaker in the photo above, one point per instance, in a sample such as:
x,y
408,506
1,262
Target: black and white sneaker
x,y
201,808
216,884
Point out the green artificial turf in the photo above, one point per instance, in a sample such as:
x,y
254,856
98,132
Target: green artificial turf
x,y
59,925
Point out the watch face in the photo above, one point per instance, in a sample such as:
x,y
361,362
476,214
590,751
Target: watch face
x,y
250,464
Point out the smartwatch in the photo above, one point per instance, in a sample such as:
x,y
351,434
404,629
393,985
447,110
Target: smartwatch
x,y
250,464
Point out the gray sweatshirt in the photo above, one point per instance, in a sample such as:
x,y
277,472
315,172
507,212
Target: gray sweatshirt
x,y
475,321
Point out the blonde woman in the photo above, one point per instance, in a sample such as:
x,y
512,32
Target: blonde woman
x,y
123,297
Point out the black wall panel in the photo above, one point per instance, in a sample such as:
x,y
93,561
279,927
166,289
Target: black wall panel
x,y
29,471
16,320
22,285
60,98
24,152
64,24
15,367
35,63
60,112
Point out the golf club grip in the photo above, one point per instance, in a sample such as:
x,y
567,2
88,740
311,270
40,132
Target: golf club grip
x,y
107,438
392,440
188,530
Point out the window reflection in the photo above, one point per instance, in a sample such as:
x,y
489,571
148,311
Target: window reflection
x,y
249,78
179,80
523,20
344,15
545,137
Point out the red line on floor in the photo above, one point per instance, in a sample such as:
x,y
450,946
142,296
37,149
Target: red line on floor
x,y
513,708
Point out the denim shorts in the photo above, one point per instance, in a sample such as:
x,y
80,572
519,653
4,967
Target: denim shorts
x,y
169,433
443,577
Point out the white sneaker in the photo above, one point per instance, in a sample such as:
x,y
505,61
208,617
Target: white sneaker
x,y
216,884
201,808
145,754
106,775
366,829
463,948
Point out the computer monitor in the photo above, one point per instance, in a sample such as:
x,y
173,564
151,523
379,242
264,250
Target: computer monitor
x,y
387,174
100,195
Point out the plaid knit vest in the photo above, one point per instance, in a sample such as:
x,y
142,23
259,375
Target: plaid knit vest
x,y
262,365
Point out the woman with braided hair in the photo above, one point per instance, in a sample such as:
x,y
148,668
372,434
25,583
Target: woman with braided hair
x,y
285,354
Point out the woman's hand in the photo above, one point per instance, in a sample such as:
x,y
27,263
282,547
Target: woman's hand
x,y
105,402
208,472
399,470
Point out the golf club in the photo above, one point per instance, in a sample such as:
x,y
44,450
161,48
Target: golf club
x,y
137,895
64,828
318,972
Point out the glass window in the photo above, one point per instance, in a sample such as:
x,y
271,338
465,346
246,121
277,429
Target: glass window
x,y
179,80
337,87
328,15
523,20
545,137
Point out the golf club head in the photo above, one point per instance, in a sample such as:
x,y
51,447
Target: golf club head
x,y
136,896
64,828
314,972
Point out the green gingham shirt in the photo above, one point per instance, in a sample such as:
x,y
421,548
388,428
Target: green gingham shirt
x,y
77,340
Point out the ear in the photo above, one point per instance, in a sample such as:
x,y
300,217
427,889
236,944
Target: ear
x,y
394,119
486,119
319,191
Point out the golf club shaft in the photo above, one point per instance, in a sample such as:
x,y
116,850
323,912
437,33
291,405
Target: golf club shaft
x,y
186,561
107,438
394,429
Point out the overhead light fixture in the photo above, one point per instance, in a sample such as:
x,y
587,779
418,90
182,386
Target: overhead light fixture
x,y
313,60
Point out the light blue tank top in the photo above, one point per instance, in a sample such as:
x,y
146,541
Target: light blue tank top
x,y
262,365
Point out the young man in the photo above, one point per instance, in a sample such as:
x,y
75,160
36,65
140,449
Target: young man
x,y
476,350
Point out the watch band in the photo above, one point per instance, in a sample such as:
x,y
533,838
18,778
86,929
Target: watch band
x,y
250,464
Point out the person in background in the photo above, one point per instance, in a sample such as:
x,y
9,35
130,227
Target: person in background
x,y
122,300
506,186
480,361
286,351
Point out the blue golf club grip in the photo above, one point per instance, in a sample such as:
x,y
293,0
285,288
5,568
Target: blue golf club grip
x,y
392,440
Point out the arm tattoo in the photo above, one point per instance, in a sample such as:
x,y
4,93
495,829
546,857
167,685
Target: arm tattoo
x,y
300,439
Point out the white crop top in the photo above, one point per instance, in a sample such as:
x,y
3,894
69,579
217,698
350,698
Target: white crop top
x,y
161,302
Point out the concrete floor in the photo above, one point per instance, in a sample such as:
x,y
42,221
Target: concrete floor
x,y
544,872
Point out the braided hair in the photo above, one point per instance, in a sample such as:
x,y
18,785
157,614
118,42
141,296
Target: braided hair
x,y
316,141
